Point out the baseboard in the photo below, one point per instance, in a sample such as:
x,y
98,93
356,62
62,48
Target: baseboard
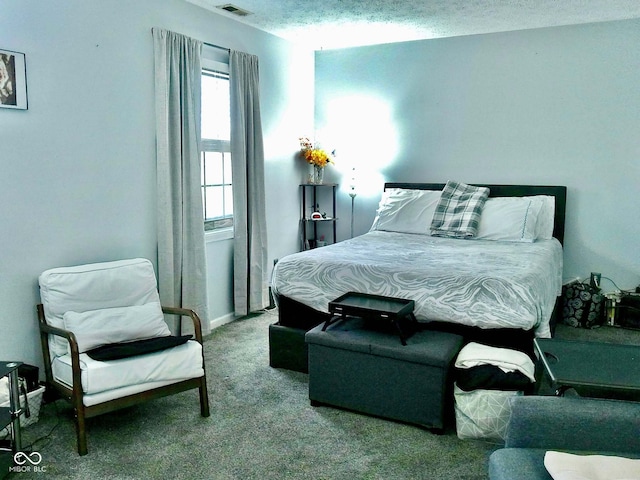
x,y
218,322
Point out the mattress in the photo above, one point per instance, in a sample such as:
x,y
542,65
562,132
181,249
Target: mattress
x,y
481,283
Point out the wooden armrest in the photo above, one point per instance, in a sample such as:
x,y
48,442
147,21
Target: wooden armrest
x,y
186,312
68,334
60,332
45,330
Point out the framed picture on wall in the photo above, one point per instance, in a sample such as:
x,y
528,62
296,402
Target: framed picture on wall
x,y
13,80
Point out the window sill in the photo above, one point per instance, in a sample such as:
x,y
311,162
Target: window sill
x,y
218,235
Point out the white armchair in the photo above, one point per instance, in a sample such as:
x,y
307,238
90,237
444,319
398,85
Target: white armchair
x,y
105,342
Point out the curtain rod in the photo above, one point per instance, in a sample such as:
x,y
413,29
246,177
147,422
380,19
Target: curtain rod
x,y
217,46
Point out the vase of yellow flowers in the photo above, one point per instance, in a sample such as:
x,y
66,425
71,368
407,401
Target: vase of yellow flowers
x,y
318,174
316,157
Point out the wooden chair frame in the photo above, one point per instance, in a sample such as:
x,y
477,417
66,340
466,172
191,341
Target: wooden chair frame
x,y
75,395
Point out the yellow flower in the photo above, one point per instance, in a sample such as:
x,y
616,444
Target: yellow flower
x,y
314,156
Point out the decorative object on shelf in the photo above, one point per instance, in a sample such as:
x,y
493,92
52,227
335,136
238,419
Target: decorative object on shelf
x,y
315,156
13,80
318,225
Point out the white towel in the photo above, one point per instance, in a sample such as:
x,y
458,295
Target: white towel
x,y
567,466
474,354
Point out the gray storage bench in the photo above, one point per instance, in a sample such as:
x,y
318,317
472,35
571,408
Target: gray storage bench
x,y
356,366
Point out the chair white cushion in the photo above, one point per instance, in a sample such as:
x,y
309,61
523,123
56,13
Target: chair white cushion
x,y
97,398
95,328
174,364
122,283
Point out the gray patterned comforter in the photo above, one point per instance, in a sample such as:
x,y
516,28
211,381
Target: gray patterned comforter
x,y
481,283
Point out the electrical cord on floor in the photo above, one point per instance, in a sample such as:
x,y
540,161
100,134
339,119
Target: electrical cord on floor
x,y
28,448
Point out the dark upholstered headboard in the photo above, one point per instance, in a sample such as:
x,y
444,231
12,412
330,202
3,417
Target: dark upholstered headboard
x,y
558,192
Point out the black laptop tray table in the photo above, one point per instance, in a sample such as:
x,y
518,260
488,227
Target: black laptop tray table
x,y
375,308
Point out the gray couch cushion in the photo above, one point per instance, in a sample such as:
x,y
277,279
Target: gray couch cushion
x,y
528,463
518,464
574,425
578,424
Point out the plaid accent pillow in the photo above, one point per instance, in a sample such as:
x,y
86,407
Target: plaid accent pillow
x,y
458,211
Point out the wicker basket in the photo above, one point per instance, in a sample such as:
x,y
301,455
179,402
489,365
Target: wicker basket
x,y
35,401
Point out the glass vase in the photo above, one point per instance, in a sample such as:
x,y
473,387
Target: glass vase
x,y
318,174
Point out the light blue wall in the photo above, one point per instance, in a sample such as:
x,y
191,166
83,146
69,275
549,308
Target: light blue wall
x,y
550,106
78,167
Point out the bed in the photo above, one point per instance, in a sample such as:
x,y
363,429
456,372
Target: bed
x,y
497,288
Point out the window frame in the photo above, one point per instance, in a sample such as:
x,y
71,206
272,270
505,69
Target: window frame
x,y
215,68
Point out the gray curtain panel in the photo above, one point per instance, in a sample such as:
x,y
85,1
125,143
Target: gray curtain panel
x,y
247,159
181,255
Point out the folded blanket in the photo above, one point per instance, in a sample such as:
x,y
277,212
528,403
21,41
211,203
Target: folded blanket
x,y
567,466
474,354
458,211
490,377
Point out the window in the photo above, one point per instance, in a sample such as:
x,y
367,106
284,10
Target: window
x,y
215,157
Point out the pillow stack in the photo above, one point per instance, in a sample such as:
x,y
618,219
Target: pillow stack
x,y
517,219
509,219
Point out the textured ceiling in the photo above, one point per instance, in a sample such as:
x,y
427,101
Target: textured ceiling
x,y
327,24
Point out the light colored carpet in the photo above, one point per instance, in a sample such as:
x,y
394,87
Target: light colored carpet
x,y
261,427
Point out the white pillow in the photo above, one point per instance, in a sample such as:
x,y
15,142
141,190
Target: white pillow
x,y
511,219
406,210
569,466
95,328
546,218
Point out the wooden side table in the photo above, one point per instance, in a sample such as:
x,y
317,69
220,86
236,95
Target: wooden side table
x,y
10,415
